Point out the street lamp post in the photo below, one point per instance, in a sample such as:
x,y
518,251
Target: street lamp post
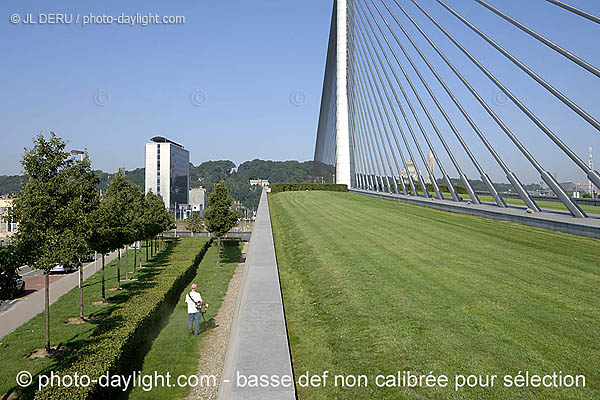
x,y
80,154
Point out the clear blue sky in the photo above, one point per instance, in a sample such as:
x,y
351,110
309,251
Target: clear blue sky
x,y
249,58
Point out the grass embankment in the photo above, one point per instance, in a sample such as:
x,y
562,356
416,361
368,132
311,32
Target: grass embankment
x,y
373,287
15,346
174,350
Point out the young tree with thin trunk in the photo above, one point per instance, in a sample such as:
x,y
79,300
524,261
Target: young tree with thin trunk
x,y
219,215
82,181
195,223
102,239
46,236
157,218
132,198
126,201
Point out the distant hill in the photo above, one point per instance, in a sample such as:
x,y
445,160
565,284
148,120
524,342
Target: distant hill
x,y
209,173
237,178
10,184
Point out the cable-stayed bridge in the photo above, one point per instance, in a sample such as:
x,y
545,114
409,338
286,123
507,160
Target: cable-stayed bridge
x,y
401,110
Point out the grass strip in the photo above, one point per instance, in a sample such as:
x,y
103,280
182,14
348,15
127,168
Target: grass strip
x,y
174,350
375,287
15,346
118,336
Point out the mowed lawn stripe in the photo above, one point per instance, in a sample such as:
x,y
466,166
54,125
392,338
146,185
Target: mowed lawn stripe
x,y
376,286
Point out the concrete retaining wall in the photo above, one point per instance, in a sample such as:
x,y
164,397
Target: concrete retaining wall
x,y
258,344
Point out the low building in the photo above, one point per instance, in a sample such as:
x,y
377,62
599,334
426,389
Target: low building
x,y
259,182
7,228
576,190
410,170
198,200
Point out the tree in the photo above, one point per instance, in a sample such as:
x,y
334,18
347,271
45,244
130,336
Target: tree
x,y
45,235
134,215
82,182
219,216
195,223
157,218
101,238
127,211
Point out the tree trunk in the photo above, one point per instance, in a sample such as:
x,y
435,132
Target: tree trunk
x,y
47,308
103,285
119,269
146,249
218,251
134,256
80,290
126,262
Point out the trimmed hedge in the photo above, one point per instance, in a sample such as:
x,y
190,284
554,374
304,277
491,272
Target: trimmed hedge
x,y
300,187
129,327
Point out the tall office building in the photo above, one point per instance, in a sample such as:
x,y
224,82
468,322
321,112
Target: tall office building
x,y
168,173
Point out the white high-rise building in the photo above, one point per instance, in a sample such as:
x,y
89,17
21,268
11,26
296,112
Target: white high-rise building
x,y
168,172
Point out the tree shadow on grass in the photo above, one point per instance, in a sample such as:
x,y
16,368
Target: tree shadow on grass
x,y
230,254
104,322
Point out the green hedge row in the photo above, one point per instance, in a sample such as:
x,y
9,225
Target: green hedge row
x,y
296,187
129,327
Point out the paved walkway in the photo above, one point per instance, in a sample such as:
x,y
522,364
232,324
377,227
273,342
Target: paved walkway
x,y
28,307
556,221
258,344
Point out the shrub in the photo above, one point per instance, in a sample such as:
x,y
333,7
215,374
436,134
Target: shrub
x,y
128,328
8,273
298,187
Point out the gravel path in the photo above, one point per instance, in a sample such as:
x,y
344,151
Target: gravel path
x,y
213,347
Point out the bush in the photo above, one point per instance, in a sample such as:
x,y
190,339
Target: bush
x,y
8,273
128,328
299,187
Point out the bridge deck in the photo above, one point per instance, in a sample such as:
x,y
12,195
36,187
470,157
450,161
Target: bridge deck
x,y
557,221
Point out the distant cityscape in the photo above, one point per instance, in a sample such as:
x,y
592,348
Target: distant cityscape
x,y
185,187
